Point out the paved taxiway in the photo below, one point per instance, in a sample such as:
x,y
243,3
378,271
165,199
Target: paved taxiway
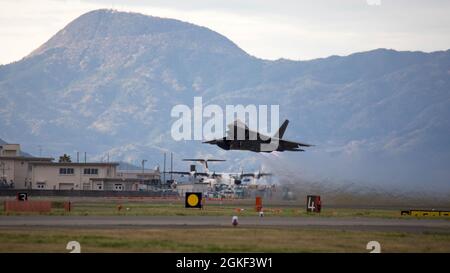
x,y
377,224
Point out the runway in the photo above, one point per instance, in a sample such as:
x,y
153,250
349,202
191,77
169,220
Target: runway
x,y
356,223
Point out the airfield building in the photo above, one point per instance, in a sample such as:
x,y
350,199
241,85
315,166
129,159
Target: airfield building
x,y
15,166
21,171
131,180
73,176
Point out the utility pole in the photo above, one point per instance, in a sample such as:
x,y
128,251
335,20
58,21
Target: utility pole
x,y
143,163
171,166
164,169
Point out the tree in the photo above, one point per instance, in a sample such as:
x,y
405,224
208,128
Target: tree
x,y
65,158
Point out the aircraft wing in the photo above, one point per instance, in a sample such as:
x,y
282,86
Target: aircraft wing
x,y
189,173
299,144
255,174
292,145
185,173
213,141
203,160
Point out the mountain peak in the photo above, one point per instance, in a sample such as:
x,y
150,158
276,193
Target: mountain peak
x,y
111,23
106,24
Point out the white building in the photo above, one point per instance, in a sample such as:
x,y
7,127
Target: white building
x,y
70,175
15,168
26,172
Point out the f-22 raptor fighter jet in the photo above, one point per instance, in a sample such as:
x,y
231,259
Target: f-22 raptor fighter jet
x,y
240,137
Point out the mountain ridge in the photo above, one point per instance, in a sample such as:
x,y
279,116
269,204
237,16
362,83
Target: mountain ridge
x,y
381,109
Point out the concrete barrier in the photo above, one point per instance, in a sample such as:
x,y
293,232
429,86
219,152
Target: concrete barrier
x,y
88,193
27,206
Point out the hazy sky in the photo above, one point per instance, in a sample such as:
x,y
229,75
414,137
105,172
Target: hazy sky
x,y
269,29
